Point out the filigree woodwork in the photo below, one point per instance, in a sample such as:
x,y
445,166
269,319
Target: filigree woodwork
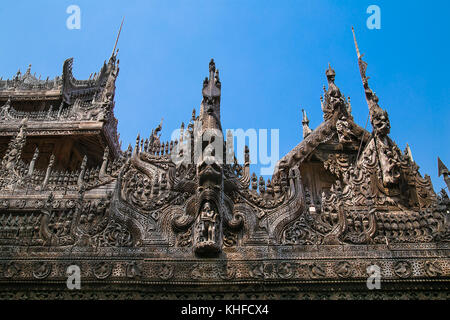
x,y
343,199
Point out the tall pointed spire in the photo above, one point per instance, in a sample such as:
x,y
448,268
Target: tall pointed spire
x,y
114,52
356,44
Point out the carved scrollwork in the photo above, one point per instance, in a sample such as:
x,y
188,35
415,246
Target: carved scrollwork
x,y
433,269
56,228
334,202
4,204
102,270
116,235
343,269
11,269
206,271
228,272
300,233
230,239
133,270
285,270
278,270
185,239
316,270
402,269
257,271
165,271
42,270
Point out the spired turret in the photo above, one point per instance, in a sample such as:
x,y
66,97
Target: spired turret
x,y
210,107
208,226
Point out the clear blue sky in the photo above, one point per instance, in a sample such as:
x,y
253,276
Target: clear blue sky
x,y
272,56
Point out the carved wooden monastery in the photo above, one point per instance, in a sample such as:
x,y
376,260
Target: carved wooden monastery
x,y
140,225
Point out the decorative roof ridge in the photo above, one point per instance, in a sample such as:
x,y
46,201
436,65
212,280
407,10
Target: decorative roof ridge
x,y
308,144
320,134
29,82
94,84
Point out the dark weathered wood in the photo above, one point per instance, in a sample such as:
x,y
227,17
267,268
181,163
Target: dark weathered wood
x,y
140,224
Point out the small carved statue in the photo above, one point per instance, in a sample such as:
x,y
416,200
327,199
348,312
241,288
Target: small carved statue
x,y
333,90
208,218
5,109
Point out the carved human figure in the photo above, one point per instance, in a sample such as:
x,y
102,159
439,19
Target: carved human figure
x,y
208,218
5,109
15,147
10,158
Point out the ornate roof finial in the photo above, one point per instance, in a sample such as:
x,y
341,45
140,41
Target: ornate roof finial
x,y
349,108
212,65
210,106
305,117
159,127
362,64
333,90
114,52
305,124
211,85
356,43
330,73
409,153
378,116
442,169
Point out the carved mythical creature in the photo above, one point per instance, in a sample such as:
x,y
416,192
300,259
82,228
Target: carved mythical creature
x,y
345,134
